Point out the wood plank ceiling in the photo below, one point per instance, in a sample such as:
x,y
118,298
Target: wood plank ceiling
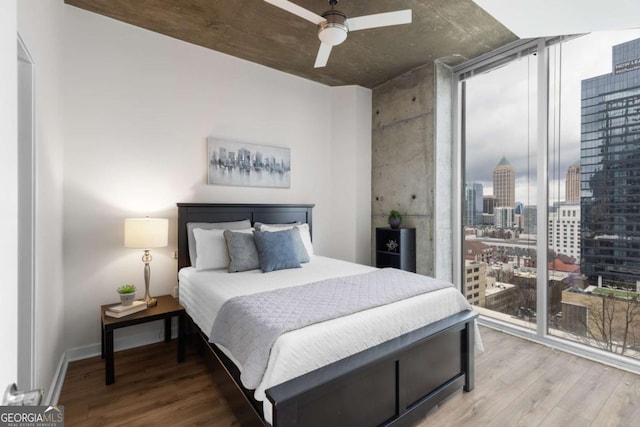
x,y
450,30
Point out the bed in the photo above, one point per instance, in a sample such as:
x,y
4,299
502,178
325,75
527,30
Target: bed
x,y
384,366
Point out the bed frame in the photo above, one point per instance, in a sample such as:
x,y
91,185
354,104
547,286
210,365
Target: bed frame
x,y
394,383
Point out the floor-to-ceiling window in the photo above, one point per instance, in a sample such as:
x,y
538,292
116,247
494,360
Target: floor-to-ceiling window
x,y
499,247
550,148
594,179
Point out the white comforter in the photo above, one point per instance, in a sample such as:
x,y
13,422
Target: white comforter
x,y
202,293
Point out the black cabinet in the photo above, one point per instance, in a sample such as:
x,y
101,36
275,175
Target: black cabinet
x,y
396,247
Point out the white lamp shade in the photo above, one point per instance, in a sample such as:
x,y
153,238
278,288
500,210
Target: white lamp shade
x,y
145,233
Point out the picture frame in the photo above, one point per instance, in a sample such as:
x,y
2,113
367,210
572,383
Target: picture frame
x,y
247,165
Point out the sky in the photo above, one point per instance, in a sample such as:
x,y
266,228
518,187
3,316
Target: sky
x,y
502,109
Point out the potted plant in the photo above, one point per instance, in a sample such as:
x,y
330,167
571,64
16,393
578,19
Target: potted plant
x,y
395,219
127,294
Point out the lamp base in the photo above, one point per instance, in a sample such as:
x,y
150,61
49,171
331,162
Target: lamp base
x,y
151,302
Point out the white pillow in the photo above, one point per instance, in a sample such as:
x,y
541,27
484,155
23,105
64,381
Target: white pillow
x,y
303,229
230,225
211,248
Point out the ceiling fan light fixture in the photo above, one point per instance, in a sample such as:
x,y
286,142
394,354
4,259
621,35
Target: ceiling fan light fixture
x,y
332,35
334,30
333,26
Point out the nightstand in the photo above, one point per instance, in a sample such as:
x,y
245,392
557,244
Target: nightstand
x,y
166,308
396,247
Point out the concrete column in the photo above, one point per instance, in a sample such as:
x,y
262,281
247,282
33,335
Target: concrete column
x,y
445,194
403,158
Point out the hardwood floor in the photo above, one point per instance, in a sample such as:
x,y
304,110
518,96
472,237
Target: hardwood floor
x,y
151,389
518,383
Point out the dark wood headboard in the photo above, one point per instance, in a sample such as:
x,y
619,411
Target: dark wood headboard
x,y
222,212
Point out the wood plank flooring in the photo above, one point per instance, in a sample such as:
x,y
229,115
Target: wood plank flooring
x,y
518,383
151,389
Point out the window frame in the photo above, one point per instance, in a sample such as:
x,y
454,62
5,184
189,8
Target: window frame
x,y
479,65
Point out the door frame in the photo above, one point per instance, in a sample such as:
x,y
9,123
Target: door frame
x,y
26,216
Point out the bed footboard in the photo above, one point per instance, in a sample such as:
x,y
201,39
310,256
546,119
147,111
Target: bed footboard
x,y
394,383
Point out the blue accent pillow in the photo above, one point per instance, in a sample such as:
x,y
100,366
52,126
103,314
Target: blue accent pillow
x,y
276,250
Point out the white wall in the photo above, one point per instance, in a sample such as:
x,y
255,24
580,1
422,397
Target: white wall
x,y
40,24
138,109
8,193
351,174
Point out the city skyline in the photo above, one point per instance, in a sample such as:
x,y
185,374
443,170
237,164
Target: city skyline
x,y
571,181
591,263
506,124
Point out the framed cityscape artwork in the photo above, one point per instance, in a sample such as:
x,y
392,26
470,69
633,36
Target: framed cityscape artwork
x,y
247,165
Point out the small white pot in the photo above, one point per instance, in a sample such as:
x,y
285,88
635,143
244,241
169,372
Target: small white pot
x,y
127,299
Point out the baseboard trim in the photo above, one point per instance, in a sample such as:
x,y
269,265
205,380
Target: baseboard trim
x,y
85,352
56,384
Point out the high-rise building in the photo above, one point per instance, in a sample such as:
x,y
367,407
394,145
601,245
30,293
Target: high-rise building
x,y
504,183
518,212
505,217
530,219
475,281
518,209
564,230
488,204
473,204
572,183
610,170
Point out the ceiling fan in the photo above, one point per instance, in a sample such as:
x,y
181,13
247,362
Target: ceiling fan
x,y
333,25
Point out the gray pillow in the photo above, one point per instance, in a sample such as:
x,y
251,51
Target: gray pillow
x,y
275,250
191,240
243,253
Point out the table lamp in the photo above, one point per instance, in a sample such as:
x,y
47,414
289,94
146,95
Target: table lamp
x,y
146,233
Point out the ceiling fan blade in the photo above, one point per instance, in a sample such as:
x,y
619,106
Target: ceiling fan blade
x,y
323,55
379,20
297,10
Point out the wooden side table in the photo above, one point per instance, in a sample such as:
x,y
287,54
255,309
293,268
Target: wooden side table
x,y
166,308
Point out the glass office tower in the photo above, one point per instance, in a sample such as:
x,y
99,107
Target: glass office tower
x,y
610,171
473,204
